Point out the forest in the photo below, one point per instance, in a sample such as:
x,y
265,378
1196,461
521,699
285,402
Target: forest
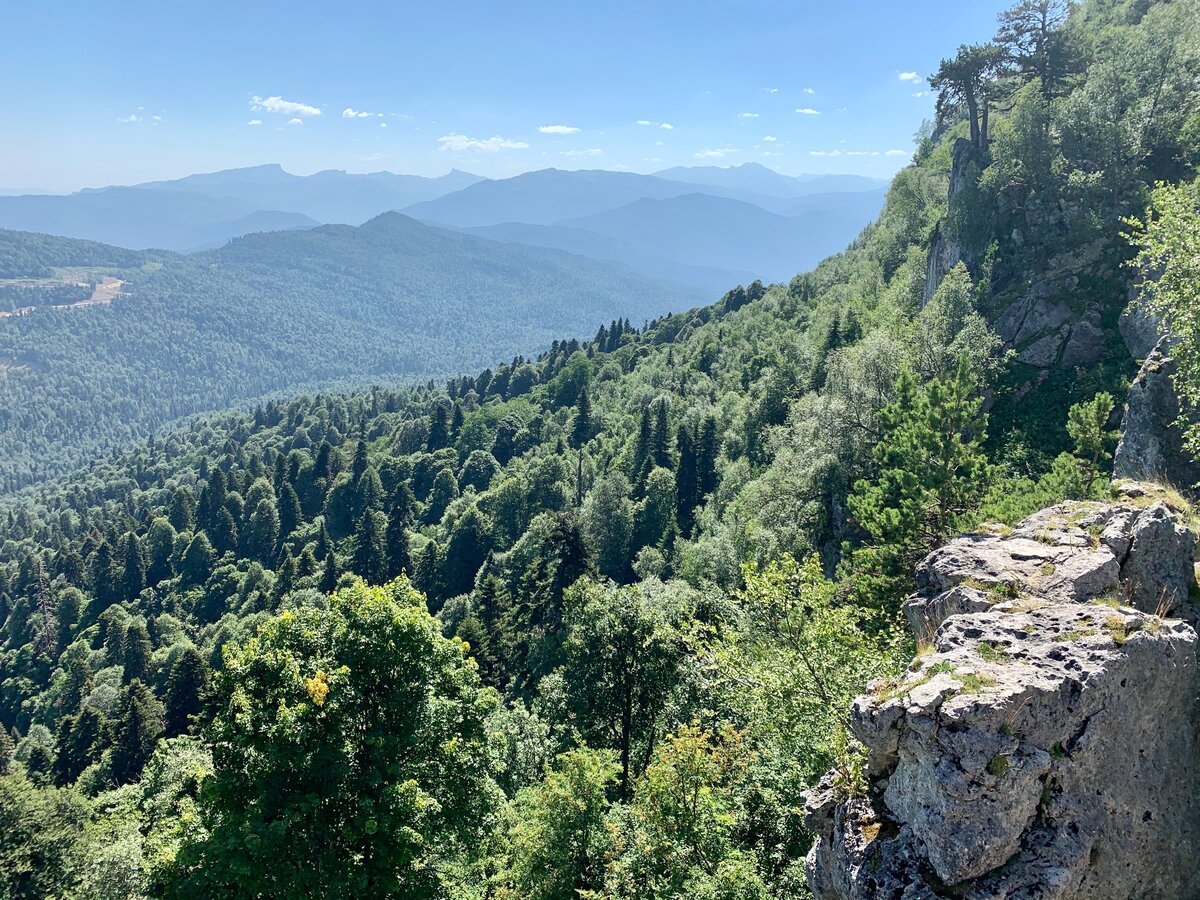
x,y
277,312
587,623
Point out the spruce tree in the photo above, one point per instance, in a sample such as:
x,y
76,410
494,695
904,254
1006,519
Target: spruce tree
x,y
136,731
370,555
136,651
133,578
582,426
186,685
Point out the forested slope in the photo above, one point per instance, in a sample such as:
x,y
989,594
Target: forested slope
x,y
640,577
283,311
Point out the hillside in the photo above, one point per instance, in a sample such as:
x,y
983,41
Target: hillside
x,y
591,623
283,312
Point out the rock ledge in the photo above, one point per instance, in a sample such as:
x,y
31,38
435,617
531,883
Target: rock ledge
x,y
1043,745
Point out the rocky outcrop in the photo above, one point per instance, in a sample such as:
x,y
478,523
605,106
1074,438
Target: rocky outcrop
x,y
1044,743
1151,444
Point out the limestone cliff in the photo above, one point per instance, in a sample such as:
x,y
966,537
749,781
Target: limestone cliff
x,y
1043,744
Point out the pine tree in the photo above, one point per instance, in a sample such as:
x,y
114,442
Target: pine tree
x,y
136,731
687,481
370,555
186,686
707,452
330,573
932,472
399,557
439,431
105,581
360,461
80,739
133,578
136,651
183,510
582,426
289,512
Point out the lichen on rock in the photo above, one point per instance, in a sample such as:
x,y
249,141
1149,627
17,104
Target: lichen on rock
x,y
1044,744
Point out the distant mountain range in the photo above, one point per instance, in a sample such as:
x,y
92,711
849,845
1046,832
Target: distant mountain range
x,y
736,223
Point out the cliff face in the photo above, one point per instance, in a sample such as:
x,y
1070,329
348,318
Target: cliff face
x,y
1151,440
1044,746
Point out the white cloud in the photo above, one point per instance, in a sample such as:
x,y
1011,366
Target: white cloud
x,y
651,159
747,115
824,152
771,90
383,124
129,119
666,125
770,138
808,111
558,129
254,122
460,142
645,122
351,113
896,153
809,91
920,93
862,152
719,153
594,151
283,107
295,121
658,143
909,76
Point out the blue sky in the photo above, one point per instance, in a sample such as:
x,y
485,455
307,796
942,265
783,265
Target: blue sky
x,y
120,92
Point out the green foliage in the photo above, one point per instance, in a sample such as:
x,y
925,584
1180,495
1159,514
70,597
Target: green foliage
x,y
1168,243
351,743
932,471
558,835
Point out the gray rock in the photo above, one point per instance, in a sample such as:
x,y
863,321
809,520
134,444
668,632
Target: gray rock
x,y
1151,446
1043,352
1046,748
1140,330
1088,342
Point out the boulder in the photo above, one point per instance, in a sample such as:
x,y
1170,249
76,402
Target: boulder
x,y
1044,745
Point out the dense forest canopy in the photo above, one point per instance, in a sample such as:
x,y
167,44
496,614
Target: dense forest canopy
x,y
620,594
277,312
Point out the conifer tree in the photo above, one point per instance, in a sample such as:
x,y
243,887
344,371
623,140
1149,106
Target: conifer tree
x,y
186,685
581,426
370,555
136,651
135,732
133,578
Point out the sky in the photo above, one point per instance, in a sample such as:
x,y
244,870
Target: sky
x,y
121,92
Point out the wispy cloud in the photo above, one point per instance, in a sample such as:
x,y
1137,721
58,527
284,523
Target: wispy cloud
x,y
295,121
825,153
920,93
494,144
283,107
351,113
129,119
383,124
645,122
594,151
747,115
897,153
254,122
717,153
909,76
771,90
558,129
666,125
770,138
808,111
809,91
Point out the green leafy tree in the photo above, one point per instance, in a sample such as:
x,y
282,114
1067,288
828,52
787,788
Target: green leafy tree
x,y
352,743
198,560
41,828
558,834
606,522
932,471
623,658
